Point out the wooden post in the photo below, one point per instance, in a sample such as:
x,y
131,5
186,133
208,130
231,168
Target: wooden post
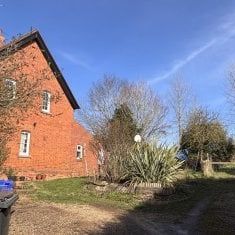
x,y
206,166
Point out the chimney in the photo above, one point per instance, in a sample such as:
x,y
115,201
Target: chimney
x,y
2,38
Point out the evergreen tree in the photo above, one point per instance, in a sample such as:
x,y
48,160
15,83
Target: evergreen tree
x,y
122,128
205,134
118,140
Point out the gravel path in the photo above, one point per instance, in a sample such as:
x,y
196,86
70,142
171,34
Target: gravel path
x,y
189,225
43,218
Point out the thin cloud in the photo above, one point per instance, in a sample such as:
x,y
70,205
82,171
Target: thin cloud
x,y
183,62
75,60
225,31
214,102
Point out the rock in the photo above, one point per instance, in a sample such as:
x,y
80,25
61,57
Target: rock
x,y
101,188
123,189
104,183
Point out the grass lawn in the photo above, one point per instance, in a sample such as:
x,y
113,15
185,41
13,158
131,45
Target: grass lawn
x,y
81,191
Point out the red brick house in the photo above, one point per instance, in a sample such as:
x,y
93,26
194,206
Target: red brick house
x,y
50,140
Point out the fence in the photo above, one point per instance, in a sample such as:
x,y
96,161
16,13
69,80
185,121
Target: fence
x,y
223,163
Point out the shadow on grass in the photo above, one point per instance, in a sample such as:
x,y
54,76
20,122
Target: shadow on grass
x,y
185,212
227,170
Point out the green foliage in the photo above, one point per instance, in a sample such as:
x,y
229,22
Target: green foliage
x,y
205,134
151,164
118,140
80,191
230,148
10,172
121,128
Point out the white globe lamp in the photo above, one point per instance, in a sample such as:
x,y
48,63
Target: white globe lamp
x,y
137,138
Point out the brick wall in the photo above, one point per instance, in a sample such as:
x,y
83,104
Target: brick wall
x,y
54,136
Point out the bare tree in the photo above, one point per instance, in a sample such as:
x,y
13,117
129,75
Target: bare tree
x,y
113,126
109,93
180,99
147,107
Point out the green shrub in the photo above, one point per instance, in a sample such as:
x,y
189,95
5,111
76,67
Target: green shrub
x,y
152,164
10,172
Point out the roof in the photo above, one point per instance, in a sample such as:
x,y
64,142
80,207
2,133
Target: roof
x,y
34,36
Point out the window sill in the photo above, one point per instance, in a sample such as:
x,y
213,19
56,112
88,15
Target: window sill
x,y
24,156
45,112
79,159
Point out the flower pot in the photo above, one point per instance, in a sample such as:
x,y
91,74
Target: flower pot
x,y
22,178
38,177
43,176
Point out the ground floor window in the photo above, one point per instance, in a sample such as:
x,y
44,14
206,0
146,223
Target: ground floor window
x,y
24,143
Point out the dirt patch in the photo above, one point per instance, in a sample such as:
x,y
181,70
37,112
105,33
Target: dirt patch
x,y
220,216
39,218
189,225
49,218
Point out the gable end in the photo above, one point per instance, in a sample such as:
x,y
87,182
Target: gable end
x,y
35,36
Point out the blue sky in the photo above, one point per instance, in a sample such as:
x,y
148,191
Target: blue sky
x,y
138,40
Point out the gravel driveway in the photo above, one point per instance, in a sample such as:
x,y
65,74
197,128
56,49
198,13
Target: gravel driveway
x,y
41,218
44,218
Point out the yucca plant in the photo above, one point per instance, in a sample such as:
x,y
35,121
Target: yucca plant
x,y
152,164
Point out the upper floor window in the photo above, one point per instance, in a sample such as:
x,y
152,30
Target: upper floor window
x,y
79,152
24,143
10,88
46,102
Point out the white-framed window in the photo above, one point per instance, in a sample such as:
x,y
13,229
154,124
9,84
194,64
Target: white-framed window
x,y
24,143
46,101
79,153
10,88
